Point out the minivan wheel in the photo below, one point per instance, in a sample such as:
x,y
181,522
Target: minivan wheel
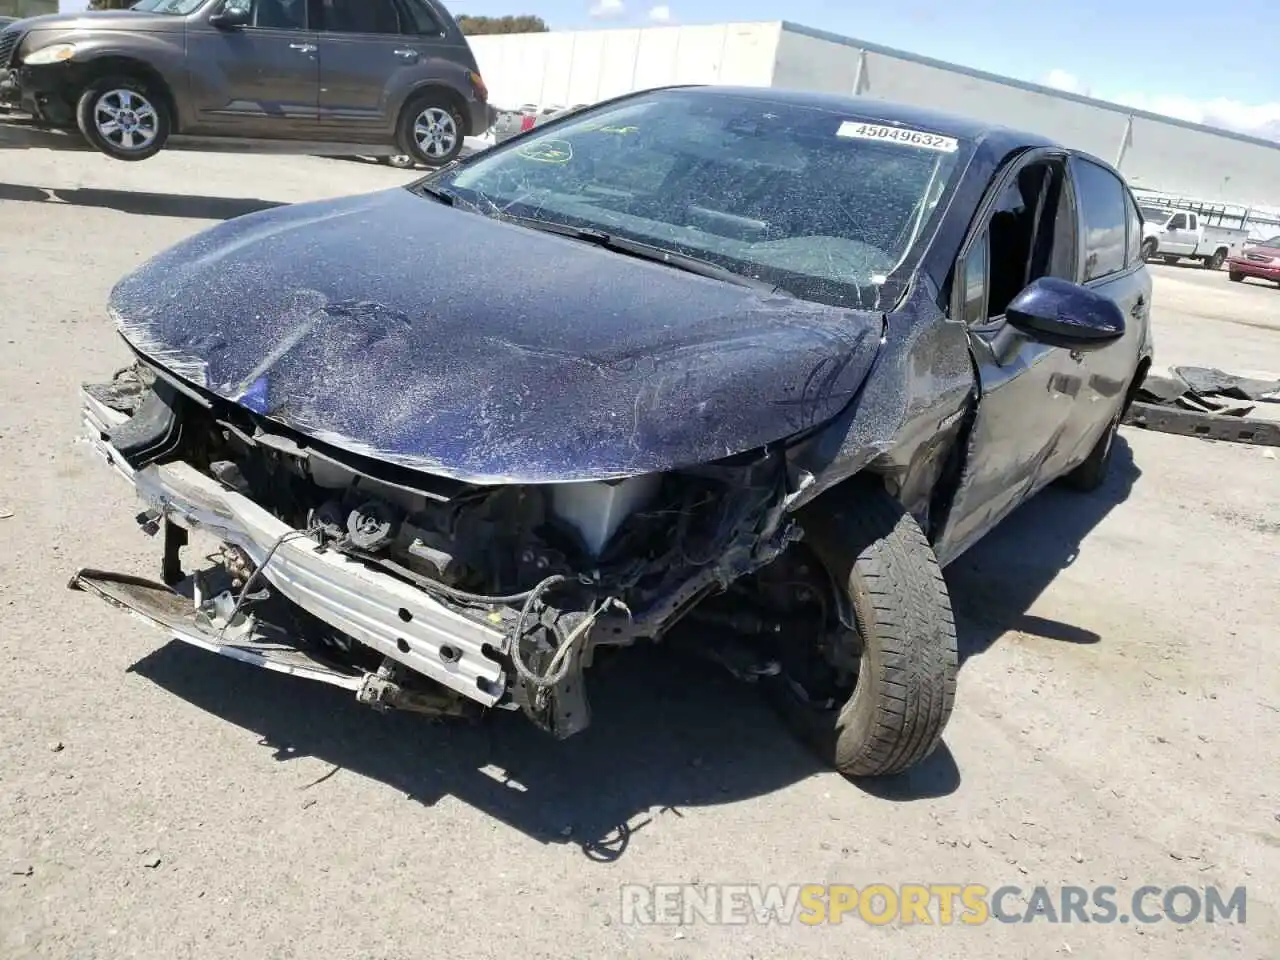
x,y
431,130
903,654
123,118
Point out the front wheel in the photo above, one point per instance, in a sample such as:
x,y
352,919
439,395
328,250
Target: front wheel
x,y
123,117
903,655
1235,277
430,130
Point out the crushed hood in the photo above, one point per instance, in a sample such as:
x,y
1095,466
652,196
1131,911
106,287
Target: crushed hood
x,y
446,341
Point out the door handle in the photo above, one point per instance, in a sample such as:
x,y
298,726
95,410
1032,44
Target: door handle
x,y
405,54
303,47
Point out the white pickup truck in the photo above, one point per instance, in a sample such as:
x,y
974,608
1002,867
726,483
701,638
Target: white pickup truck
x,y
1172,234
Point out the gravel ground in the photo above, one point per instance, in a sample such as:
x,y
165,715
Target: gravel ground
x,y
1118,702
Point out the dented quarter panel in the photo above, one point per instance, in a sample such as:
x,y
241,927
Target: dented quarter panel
x,y
908,413
399,328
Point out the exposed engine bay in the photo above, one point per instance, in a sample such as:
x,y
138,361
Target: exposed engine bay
x,y
431,594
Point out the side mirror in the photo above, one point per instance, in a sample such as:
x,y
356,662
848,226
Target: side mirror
x,y
1064,314
232,16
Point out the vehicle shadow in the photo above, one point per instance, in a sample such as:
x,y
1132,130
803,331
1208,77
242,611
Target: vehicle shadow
x,y
666,735
185,206
994,585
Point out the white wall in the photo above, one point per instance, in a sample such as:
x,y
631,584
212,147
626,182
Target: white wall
x,y
808,63
589,65
585,66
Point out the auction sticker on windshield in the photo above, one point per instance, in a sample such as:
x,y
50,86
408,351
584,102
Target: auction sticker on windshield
x,y
903,135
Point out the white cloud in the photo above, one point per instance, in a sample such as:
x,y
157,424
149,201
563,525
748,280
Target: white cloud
x,y
1061,80
1259,119
1256,119
602,9
661,13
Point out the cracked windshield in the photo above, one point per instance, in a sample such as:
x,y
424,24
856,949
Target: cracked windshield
x,y
814,200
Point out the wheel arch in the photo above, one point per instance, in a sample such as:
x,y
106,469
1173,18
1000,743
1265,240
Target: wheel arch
x,y
443,90
114,64
1139,375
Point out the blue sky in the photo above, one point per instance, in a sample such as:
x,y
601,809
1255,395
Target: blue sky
x,y
1211,63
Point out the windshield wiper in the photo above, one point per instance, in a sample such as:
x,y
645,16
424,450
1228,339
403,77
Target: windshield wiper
x,y
645,251
437,193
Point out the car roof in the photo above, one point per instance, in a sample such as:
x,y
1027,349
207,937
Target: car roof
x,y
884,111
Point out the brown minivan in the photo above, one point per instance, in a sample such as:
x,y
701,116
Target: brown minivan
x,y
389,73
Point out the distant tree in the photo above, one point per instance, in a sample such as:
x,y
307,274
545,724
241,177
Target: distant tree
x,y
482,25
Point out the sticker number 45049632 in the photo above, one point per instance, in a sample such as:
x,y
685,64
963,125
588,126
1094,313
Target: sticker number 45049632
x,y
909,138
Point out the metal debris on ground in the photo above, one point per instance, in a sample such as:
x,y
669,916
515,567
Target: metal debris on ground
x,y
1207,403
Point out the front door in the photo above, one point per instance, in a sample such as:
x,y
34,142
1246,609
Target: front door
x,y
1179,234
368,49
1028,231
261,80
1112,266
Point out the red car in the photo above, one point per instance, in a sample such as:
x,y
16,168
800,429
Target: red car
x,y
1262,260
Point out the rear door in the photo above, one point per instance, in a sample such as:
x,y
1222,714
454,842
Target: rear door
x,y
1026,230
370,52
261,80
1112,264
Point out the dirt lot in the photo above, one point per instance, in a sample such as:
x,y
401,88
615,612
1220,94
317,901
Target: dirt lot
x,y
1117,720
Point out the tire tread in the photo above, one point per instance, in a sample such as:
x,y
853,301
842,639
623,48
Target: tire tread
x,y
902,607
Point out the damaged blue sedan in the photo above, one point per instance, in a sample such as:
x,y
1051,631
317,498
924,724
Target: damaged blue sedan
x,y
738,370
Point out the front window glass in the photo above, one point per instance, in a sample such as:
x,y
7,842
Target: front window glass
x,y
814,202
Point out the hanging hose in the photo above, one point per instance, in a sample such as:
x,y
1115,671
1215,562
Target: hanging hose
x,y
252,578
558,667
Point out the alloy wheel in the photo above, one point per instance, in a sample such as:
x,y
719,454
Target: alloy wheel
x,y
126,119
436,132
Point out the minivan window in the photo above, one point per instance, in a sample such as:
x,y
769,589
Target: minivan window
x,y
272,14
421,19
798,196
1101,202
359,16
